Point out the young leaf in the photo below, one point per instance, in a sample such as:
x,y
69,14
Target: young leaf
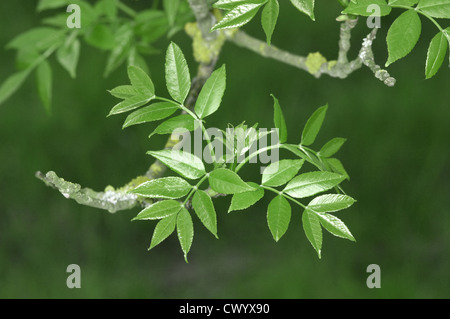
x,y
403,35
360,7
153,112
330,203
130,104
278,216
239,16
311,183
123,91
225,181
164,228
313,231
279,121
141,81
178,80
204,208
12,84
166,187
436,54
67,56
44,84
281,172
313,126
305,6
435,8
180,122
159,210
332,147
269,18
244,200
185,164
335,226
38,39
210,96
185,231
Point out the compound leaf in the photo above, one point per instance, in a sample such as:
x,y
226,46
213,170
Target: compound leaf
x,y
313,231
269,18
335,226
141,81
332,147
239,16
436,54
153,112
330,203
435,8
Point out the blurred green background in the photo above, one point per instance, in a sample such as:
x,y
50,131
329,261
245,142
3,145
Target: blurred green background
x,y
397,155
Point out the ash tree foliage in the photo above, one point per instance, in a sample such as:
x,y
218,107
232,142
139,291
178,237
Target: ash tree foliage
x,y
309,184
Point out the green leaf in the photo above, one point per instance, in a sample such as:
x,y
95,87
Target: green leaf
x,y
335,226
107,8
409,3
311,183
332,147
38,39
171,9
330,203
67,55
141,81
183,163
210,96
225,181
153,112
231,4
403,35
101,37
313,126
123,91
281,172
123,39
336,166
166,187
244,200
130,103
185,231
436,54
360,7
435,8
447,35
180,122
269,18
163,229
159,210
51,4
204,208
44,84
238,16
178,80
305,6
12,84
278,216
313,231
279,122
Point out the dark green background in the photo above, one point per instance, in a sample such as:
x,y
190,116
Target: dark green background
x,y
397,155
